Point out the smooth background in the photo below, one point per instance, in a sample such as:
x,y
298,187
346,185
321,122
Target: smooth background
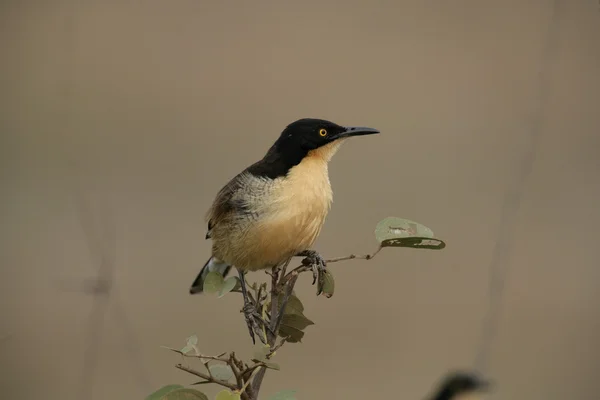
x,y
148,107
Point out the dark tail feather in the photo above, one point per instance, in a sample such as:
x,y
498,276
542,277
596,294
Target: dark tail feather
x,y
211,265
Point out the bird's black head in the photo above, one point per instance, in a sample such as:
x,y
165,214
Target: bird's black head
x,y
460,383
309,133
308,136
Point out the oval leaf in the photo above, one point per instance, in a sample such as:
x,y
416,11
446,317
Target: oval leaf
x,y
294,306
296,321
192,340
228,285
162,391
213,282
284,395
227,395
261,350
328,284
187,349
272,365
221,371
185,394
291,335
400,232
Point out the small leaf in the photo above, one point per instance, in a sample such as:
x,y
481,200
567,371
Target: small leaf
x,y
261,351
187,349
296,321
192,340
162,391
227,395
221,371
400,232
272,365
328,284
213,282
292,335
293,306
228,285
185,394
284,395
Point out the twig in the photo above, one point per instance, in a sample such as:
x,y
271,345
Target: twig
x,y
206,377
276,347
354,257
200,356
236,372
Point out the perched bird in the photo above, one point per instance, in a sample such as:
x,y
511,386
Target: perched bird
x,y
460,386
275,208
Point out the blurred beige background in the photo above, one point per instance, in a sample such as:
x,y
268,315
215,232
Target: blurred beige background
x,y
148,107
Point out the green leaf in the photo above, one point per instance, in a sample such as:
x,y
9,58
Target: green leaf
x,y
162,391
272,365
187,349
291,335
180,393
261,351
221,371
296,321
228,285
284,395
227,395
328,284
400,232
293,306
192,340
213,283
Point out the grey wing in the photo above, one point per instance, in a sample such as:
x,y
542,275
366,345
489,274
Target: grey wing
x,y
231,200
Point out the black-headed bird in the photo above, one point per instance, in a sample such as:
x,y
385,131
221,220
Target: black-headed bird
x,y
274,209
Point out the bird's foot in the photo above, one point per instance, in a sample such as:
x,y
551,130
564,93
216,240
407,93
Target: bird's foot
x,y
318,266
255,322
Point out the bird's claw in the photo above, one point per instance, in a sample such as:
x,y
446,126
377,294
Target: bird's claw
x,y
254,321
318,267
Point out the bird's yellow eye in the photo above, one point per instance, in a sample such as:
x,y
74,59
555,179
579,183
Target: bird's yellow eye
x,y
323,132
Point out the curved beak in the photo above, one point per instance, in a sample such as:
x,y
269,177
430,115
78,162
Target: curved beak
x,y
355,131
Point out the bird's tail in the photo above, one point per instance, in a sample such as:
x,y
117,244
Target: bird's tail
x,y
212,264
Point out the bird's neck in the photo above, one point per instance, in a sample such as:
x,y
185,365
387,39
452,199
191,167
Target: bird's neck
x,y
326,152
283,156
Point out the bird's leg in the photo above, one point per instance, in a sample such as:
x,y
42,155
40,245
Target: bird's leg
x,y
251,314
317,264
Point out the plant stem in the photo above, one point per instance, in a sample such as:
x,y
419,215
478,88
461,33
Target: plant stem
x,y
277,312
206,377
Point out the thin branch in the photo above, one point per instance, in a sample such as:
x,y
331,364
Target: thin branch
x,y
276,347
200,356
284,267
354,257
206,377
236,372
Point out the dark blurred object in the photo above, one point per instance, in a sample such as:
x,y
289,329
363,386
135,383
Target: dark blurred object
x,y
458,384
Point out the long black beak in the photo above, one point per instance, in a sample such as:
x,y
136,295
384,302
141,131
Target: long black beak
x,y
356,131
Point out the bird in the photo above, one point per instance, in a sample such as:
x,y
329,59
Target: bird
x,y
275,208
460,386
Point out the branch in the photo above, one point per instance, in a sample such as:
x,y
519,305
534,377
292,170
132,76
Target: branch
x,y
206,377
286,284
354,257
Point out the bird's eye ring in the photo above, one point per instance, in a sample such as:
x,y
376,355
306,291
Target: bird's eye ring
x,y
323,132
